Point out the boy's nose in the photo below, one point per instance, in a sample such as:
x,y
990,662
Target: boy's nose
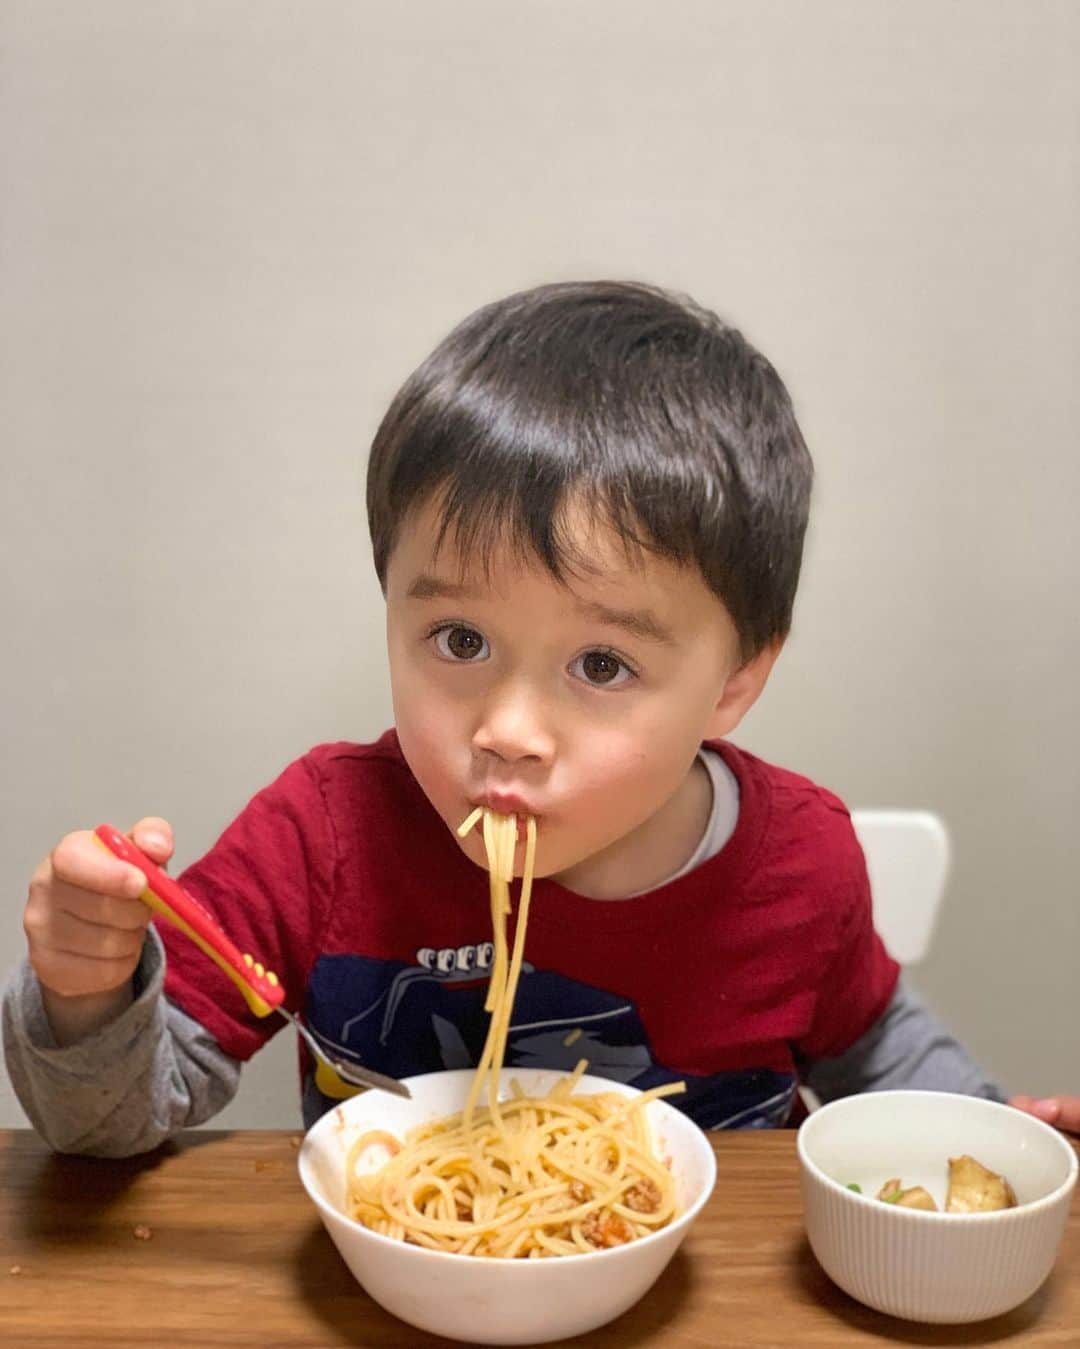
x,y
512,726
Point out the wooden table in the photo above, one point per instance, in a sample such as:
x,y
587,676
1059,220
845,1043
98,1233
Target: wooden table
x,y
212,1242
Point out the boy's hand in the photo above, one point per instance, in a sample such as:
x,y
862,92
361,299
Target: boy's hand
x,y
1061,1111
85,927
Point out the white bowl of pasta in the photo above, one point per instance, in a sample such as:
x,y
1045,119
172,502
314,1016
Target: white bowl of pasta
x,y
459,1252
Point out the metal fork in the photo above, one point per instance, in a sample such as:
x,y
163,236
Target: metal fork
x,y
353,1073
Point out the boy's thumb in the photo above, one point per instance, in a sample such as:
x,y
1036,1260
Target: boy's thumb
x,y
155,837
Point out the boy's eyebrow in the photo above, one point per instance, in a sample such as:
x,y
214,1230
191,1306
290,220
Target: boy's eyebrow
x,y
426,587
638,622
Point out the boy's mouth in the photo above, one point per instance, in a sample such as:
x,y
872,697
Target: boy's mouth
x,y
507,805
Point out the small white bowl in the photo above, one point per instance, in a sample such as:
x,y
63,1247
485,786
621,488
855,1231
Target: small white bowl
x,y
936,1267
480,1299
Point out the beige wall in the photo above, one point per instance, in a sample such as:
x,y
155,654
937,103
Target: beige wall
x,y
233,228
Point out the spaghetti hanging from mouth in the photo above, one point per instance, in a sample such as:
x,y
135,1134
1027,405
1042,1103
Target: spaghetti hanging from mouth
x,y
525,1177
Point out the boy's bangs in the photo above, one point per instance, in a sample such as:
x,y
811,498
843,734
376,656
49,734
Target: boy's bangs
x,y
563,528
514,479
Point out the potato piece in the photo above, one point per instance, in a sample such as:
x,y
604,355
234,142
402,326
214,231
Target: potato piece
x,y
975,1189
917,1197
893,1192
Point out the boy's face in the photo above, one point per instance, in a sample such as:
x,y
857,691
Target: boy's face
x,y
582,704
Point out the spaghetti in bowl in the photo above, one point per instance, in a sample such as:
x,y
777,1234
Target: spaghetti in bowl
x,y
489,1298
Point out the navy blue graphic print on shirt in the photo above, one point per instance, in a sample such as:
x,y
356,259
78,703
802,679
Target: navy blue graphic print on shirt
x,y
406,1019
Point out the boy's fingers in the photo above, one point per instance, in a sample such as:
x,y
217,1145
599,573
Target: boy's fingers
x,y
1046,1110
81,862
69,935
1068,1113
1063,1112
155,837
128,915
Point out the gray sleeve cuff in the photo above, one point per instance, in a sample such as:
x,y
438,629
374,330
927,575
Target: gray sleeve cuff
x,y
136,1081
98,1052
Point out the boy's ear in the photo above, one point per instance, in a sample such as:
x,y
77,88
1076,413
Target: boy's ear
x,y
741,691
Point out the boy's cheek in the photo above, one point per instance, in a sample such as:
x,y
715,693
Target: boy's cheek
x,y
430,747
419,712
616,782
604,759
420,744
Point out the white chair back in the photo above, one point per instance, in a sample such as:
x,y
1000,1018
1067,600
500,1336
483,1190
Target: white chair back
x,y
907,858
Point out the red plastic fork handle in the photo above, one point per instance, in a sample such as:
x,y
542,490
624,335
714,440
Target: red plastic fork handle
x,y
262,992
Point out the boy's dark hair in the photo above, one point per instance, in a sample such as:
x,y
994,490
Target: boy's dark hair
x,y
660,419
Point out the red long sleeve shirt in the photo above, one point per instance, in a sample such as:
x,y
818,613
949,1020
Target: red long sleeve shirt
x,y
342,879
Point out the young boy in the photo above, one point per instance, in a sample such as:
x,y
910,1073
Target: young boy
x,y
587,509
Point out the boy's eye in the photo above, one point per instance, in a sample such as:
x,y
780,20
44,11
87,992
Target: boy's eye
x,y
602,667
456,642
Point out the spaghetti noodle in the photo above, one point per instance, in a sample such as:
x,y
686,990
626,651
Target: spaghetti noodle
x,y
525,1177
